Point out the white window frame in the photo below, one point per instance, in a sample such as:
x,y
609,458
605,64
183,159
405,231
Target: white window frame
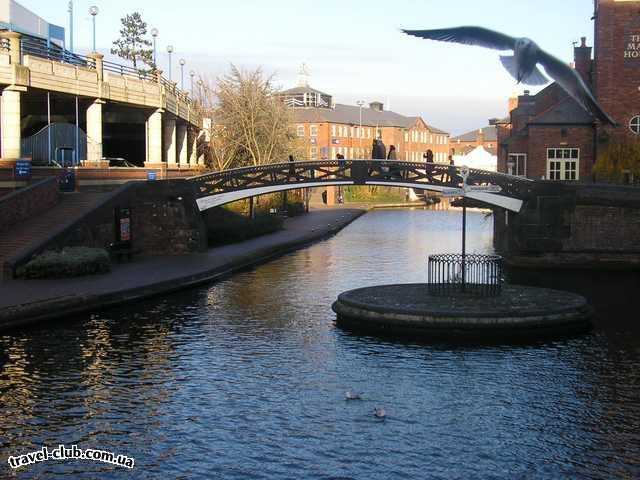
x,y
313,130
299,129
560,157
634,124
313,153
520,159
333,130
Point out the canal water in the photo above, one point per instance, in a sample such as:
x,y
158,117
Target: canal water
x,y
246,378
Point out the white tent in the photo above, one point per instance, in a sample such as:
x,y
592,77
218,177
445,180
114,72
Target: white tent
x,y
478,158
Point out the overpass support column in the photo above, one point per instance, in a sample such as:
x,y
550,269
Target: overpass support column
x,y
182,144
193,147
169,140
154,139
11,126
94,133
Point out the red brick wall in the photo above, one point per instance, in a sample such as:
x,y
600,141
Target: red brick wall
x,y
617,78
541,138
25,203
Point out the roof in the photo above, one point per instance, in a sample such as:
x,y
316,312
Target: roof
x,y
567,111
299,90
350,114
490,135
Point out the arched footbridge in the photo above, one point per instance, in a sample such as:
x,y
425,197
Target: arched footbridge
x,y
218,188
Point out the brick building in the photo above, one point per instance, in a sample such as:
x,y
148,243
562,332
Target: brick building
x,y
465,143
548,135
327,129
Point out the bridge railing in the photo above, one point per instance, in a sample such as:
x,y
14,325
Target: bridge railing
x,y
38,48
357,172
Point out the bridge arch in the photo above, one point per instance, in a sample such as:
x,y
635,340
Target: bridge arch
x,y
219,188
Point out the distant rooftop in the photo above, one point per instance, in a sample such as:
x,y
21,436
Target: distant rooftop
x,y
490,135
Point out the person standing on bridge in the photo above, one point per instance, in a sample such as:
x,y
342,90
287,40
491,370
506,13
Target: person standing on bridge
x,y
393,156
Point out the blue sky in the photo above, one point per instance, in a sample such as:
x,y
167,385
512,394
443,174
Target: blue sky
x,y
353,48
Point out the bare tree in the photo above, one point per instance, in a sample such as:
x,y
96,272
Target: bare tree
x,y
252,122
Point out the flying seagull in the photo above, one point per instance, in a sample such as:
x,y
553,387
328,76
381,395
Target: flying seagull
x,y
523,64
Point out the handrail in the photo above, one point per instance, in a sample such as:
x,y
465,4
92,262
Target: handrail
x,y
38,47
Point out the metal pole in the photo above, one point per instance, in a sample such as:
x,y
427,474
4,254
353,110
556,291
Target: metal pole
x,y
182,76
49,127
94,33
169,66
76,153
464,241
360,132
154,51
71,26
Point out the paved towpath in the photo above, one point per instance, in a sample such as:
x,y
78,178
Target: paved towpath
x,y
30,301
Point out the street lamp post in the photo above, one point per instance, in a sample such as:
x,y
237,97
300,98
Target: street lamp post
x,y
192,74
70,10
154,34
93,11
169,51
182,62
360,103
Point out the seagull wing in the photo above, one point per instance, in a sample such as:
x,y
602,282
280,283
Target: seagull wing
x,y
571,81
482,37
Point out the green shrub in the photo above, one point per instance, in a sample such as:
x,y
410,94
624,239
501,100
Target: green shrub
x,y
225,227
70,262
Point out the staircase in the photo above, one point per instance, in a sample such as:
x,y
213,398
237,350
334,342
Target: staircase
x,y
29,234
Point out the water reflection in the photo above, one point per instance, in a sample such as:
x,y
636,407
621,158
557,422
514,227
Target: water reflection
x,y
246,378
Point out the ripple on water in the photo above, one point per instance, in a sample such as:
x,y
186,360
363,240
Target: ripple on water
x,y
246,379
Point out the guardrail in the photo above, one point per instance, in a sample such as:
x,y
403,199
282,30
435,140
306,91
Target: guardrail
x,y
38,47
451,274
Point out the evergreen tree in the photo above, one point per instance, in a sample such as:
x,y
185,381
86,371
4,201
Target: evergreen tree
x,y
133,44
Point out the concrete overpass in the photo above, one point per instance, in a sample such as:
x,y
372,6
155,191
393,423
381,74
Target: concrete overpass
x,y
97,95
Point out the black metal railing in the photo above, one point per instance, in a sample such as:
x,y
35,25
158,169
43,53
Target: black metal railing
x,y
125,70
39,48
451,274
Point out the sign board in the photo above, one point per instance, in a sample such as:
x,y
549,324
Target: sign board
x,y
152,175
23,169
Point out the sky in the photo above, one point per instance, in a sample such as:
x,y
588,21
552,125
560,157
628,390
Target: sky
x,y
353,49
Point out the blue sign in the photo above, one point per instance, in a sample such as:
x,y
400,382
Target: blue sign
x,y
151,175
23,169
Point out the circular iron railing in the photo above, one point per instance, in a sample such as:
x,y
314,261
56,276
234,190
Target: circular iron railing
x,y
469,274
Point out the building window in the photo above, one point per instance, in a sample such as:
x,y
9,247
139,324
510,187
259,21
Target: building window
x,y
313,153
313,131
563,163
517,164
634,124
300,131
333,131
406,136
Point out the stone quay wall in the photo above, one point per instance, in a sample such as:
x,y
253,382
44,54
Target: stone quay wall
x,y
568,223
23,204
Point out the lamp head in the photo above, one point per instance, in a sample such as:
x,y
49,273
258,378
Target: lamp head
x,y
182,62
93,11
154,32
169,48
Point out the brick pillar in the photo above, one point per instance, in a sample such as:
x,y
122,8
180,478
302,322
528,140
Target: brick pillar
x,y
169,140
11,126
154,139
182,145
94,134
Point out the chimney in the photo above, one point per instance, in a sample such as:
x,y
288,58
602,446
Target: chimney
x,y
582,60
377,106
480,137
513,102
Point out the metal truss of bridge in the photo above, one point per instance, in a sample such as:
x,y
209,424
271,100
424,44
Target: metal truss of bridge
x,y
218,188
